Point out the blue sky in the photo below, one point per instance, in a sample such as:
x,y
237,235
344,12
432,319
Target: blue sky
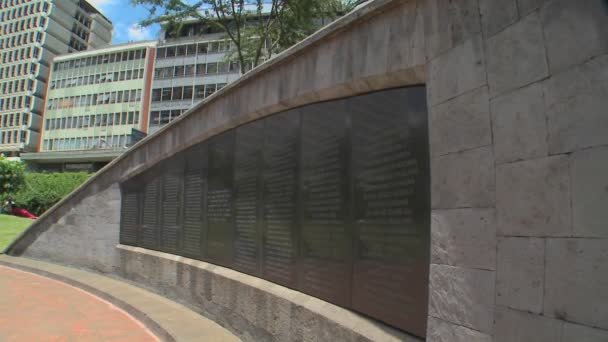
x,y
125,18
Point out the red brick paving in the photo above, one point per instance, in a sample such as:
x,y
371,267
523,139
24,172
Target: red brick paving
x,y
35,308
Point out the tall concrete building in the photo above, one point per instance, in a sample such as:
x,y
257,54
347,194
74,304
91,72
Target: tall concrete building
x,y
190,66
94,101
32,33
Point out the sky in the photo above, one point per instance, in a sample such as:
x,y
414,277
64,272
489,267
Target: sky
x,y
125,18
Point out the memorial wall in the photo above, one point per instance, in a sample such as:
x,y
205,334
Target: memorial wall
x,y
331,199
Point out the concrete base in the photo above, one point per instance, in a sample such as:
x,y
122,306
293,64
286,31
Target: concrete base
x,y
252,308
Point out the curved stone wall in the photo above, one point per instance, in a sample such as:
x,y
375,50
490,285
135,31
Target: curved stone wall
x,y
517,92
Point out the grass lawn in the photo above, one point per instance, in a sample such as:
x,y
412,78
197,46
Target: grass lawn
x,y
10,227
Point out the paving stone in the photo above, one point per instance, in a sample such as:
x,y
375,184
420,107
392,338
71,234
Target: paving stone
x,y
464,237
497,14
456,72
580,27
519,125
590,192
576,281
517,326
442,331
520,273
581,333
448,24
576,101
463,180
533,197
462,296
461,124
516,56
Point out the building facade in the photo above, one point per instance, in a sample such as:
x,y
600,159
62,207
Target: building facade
x,y
32,33
190,66
95,100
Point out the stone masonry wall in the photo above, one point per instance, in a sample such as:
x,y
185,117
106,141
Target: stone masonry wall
x,y
518,116
519,141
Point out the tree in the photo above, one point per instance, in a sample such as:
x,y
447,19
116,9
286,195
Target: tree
x,y
258,29
12,177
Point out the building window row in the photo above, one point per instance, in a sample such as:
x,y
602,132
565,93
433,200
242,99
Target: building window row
x,y
125,75
83,19
76,45
86,143
15,102
13,137
80,32
21,11
186,93
14,120
18,70
163,117
20,54
22,25
22,39
196,69
220,46
124,96
93,120
16,86
101,59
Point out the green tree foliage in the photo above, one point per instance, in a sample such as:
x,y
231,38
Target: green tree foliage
x,y
257,33
12,177
43,190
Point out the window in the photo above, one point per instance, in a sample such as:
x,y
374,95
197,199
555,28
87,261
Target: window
x,y
156,94
188,93
177,93
166,94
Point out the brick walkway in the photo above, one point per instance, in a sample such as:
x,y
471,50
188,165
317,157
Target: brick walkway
x,y
35,308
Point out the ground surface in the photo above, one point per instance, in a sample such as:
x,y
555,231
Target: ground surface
x,y
10,228
36,308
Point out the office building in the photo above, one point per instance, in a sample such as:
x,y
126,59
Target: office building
x,y
96,101
32,33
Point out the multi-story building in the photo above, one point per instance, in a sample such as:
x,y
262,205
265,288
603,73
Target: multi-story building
x,y
190,66
32,33
94,101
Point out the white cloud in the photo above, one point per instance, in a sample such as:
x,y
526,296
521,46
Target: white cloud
x,y
136,32
102,5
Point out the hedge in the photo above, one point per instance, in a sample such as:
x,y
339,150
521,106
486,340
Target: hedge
x,y
43,190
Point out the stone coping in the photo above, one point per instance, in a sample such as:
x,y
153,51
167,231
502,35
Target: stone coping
x,y
365,328
168,320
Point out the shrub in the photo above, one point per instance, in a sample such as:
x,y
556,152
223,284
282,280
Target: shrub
x,y
11,177
43,190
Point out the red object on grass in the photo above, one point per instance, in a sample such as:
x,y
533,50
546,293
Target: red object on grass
x,y
22,213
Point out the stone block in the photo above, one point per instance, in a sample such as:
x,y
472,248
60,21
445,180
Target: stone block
x,y
463,180
448,24
519,125
462,296
464,237
461,124
520,273
578,27
527,6
516,56
406,36
590,192
442,331
533,197
581,333
456,72
576,101
576,281
496,15
516,326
